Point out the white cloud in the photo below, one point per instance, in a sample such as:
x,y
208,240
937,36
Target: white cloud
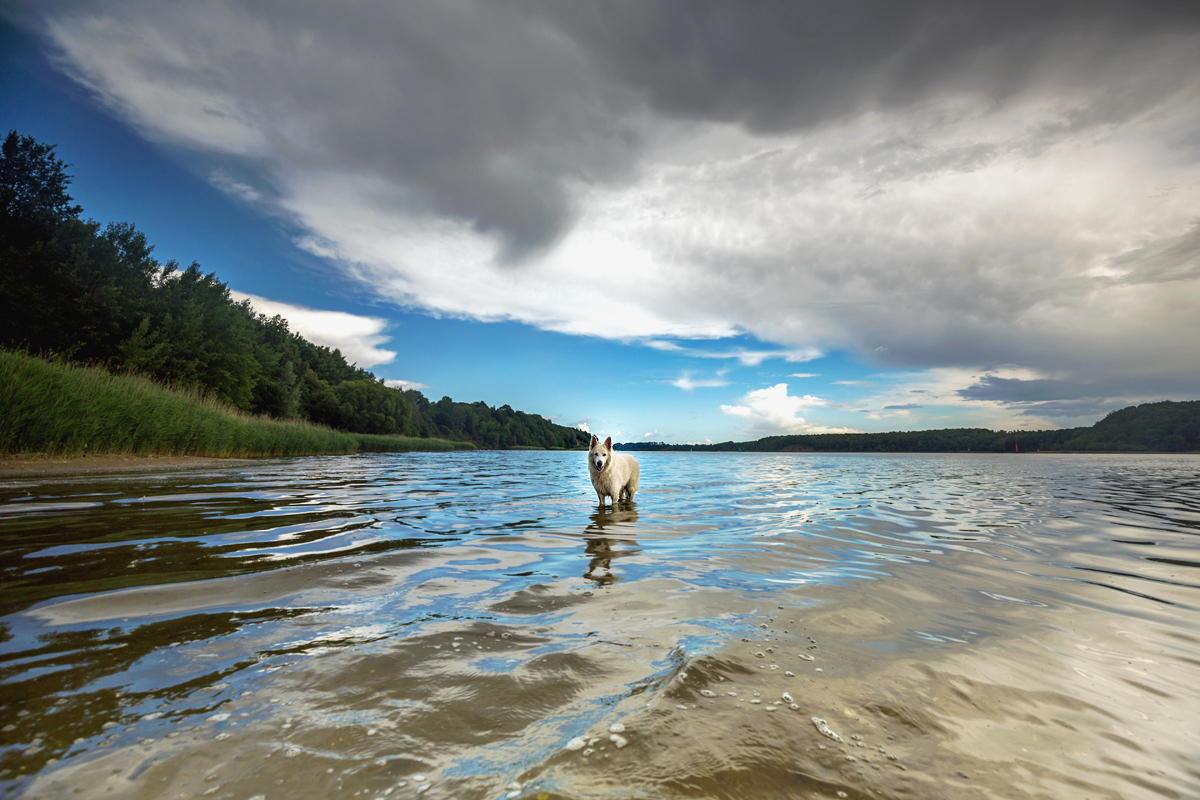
x,y
415,259
688,383
854,383
101,51
805,375
583,426
748,358
358,338
752,358
230,185
772,411
879,416
648,434
1036,205
402,384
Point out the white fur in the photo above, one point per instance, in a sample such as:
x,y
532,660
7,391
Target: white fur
x,y
613,474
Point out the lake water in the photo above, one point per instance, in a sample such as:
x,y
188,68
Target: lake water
x,y
470,625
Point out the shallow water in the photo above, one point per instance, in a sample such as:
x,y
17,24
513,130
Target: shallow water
x,y
470,625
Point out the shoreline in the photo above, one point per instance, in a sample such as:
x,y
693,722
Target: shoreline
x,y
16,466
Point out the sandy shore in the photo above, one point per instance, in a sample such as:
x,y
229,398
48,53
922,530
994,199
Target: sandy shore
x,y
42,465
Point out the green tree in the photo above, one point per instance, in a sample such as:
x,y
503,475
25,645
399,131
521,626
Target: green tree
x,y
33,187
79,292
197,336
368,406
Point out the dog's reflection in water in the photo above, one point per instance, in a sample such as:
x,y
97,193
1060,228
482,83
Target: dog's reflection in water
x,y
603,534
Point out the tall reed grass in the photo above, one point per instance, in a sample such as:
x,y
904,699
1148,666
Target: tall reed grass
x,y
67,410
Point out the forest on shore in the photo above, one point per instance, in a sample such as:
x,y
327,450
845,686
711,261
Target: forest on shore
x,y
77,292
1163,427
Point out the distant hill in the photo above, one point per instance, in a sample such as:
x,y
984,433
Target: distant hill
x,y
1165,427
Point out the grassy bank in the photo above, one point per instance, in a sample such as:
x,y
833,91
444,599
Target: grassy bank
x,y
65,411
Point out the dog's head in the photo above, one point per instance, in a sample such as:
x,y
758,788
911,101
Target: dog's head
x,y
599,453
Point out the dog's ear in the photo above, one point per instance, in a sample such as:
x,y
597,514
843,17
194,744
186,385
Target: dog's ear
x,y
594,440
608,443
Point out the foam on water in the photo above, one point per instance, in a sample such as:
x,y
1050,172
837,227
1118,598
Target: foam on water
x,y
824,729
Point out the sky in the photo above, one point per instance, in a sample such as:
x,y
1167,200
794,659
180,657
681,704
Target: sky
x,y
678,221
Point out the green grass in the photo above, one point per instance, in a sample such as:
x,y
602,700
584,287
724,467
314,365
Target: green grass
x,y
64,410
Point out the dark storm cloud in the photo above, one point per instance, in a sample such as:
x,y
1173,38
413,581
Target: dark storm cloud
x,y
484,114
1175,259
1085,409
1056,399
781,65
487,114
492,112
1038,398
1015,390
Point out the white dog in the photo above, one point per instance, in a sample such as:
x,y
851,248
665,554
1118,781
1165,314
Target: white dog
x,y
613,474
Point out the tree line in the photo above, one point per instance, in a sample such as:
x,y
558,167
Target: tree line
x,y
1165,426
86,293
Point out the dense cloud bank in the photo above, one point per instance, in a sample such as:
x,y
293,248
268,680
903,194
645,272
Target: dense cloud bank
x,y
964,187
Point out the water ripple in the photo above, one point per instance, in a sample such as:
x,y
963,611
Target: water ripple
x,y
373,624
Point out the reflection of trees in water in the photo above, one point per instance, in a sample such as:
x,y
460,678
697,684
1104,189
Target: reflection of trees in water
x,y
608,520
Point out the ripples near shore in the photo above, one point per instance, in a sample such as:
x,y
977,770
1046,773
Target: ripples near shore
x,y
470,625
